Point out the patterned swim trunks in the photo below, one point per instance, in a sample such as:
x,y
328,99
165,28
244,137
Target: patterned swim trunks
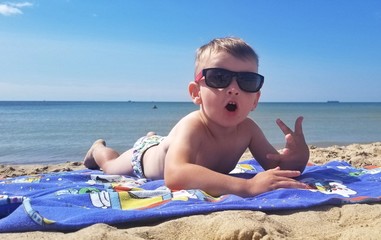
x,y
140,147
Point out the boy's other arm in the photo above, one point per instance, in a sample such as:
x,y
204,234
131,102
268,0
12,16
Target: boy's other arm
x,y
181,173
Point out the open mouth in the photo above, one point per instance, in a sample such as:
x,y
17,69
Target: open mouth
x,y
231,106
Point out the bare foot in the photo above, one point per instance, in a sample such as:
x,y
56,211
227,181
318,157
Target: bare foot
x,y
149,134
89,160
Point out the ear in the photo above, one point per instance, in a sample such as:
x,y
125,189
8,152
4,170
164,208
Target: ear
x,y
256,100
194,92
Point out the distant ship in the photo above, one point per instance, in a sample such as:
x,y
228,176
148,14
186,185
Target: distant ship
x,y
333,101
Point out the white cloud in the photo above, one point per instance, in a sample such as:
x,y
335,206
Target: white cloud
x,y
21,5
8,9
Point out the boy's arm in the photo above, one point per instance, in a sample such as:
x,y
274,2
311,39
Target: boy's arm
x,y
192,176
181,173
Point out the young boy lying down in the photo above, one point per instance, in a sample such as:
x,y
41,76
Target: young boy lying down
x,y
205,145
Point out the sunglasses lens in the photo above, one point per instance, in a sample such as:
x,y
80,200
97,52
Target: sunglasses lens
x,y
218,78
249,82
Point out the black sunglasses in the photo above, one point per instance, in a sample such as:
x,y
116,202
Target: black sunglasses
x,y
222,78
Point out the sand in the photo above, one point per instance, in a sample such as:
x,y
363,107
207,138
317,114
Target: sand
x,y
355,221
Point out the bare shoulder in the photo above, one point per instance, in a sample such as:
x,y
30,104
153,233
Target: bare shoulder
x,y
185,139
192,120
249,126
188,127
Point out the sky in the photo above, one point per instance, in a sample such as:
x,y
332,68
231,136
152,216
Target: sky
x,y
143,50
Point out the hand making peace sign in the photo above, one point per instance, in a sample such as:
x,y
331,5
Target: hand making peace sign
x,y
295,154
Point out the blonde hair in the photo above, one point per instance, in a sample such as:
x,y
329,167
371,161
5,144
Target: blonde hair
x,y
234,46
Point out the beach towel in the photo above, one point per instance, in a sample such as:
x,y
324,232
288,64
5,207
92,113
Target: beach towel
x,y
68,201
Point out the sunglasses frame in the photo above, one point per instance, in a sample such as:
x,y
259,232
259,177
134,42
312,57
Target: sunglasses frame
x,y
237,75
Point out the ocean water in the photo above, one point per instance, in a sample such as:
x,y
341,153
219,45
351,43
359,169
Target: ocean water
x,y
54,132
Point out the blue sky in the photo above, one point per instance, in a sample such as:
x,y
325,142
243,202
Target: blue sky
x,y
143,50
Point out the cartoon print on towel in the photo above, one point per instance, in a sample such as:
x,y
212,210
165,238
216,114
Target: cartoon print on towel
x,y
328,186
368,170
244,168
77,191
143,199
35,215
124,193
26,179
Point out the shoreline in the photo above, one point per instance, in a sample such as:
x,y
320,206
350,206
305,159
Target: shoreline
x,y
65,161
77,160
350,221
357,154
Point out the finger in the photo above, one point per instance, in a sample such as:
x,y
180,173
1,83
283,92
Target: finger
x,y
290,141
291,184
273,157
275,169
285,129
287,174
298,125
285,151
278,156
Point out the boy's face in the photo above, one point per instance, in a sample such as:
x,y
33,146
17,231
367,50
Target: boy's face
x,y
226,106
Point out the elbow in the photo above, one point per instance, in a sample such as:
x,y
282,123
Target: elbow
x,y
174,180
174,186
301,169
303,166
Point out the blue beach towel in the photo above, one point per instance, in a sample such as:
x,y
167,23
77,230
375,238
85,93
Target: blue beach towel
x,y
70,201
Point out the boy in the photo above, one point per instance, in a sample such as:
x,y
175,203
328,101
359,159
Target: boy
x,y
206,145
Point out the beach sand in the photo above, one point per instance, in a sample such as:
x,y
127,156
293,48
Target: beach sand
x,y
355,221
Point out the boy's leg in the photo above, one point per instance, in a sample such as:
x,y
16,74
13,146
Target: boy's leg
x,y
119,165
123,163
100,156
89,160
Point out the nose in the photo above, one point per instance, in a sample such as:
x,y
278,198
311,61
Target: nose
x,y
233,88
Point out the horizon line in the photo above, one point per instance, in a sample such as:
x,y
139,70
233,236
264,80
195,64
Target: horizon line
x,y
163,101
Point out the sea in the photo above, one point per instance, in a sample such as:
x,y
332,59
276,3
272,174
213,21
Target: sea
x,y
48,132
